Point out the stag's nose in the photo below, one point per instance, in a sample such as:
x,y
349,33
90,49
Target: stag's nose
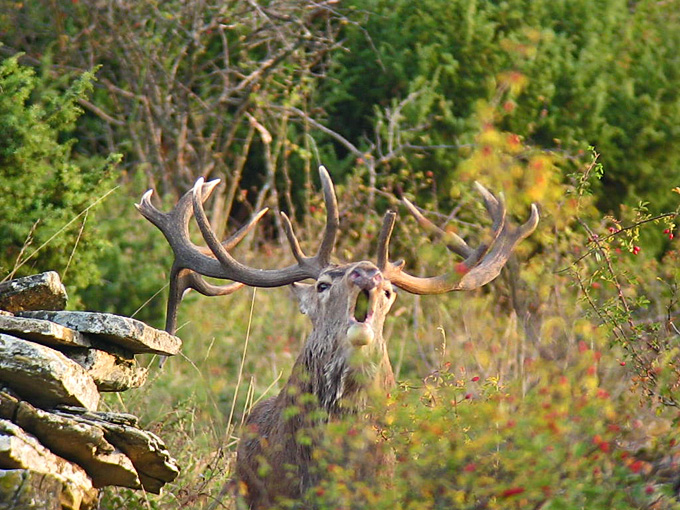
x,y
366,278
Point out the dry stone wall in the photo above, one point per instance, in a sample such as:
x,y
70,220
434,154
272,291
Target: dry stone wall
x,y
56,448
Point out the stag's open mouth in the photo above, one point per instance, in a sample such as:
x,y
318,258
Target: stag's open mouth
x,y
360,331
361,307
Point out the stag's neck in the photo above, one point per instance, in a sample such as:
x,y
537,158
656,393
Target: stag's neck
x,y
327,376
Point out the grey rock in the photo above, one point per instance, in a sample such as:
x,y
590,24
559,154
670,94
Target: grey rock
x,y
38,292
27,490
45,376
130,334
115,370
127,419
111,372
154,464
42,331
76,441
19,450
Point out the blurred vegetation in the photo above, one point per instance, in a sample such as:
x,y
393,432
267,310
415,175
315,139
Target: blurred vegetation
x,y
555,386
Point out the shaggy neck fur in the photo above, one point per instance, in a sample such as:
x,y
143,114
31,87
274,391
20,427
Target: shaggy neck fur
x,y
338,378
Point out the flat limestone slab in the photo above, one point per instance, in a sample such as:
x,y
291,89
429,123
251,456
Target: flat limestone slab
x,y
29,490
45,376
130,334
111,372
19,450
42,331
148,453
38,292
78,442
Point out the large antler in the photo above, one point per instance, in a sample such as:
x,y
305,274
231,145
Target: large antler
x,y
480,266
193,262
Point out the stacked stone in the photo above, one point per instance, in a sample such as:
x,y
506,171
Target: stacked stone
x,y
56,449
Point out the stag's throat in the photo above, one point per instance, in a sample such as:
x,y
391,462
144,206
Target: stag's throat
x,y
361,306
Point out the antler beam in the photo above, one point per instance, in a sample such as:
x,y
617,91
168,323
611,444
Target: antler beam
x,y
480,266
192,262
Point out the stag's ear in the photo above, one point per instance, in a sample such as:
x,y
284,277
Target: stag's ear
x,y
304,293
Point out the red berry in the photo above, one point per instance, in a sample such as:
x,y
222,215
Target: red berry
x,y
475,378
667,231
470,467
636,466
512,492
604,447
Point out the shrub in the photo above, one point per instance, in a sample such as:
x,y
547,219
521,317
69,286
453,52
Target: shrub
x,y
48,190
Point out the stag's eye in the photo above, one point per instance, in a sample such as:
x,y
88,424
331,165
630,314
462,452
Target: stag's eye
x,y
322,286
388,294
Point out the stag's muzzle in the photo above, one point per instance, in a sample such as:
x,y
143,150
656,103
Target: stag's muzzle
x,y
366,277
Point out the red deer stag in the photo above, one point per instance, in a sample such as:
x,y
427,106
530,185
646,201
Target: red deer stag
x,y
344,359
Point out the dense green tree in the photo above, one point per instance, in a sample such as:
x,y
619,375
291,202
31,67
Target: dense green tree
x,y
47,189
567,74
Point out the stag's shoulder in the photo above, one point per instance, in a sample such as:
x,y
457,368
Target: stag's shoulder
x,y
261,418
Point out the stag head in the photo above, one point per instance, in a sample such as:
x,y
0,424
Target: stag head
x,y
345,356
346,352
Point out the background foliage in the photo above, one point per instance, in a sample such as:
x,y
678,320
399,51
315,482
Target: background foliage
x,y
48,190
553,387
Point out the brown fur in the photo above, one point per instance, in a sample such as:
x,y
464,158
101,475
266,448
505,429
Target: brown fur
x,y
331,379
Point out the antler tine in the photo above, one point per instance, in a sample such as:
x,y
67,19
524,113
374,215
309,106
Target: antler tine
x,y
292,239
174,224
494,206
181,280
528,227
306,267
323,256
389,220
481,265
237,237
231,268
453,242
